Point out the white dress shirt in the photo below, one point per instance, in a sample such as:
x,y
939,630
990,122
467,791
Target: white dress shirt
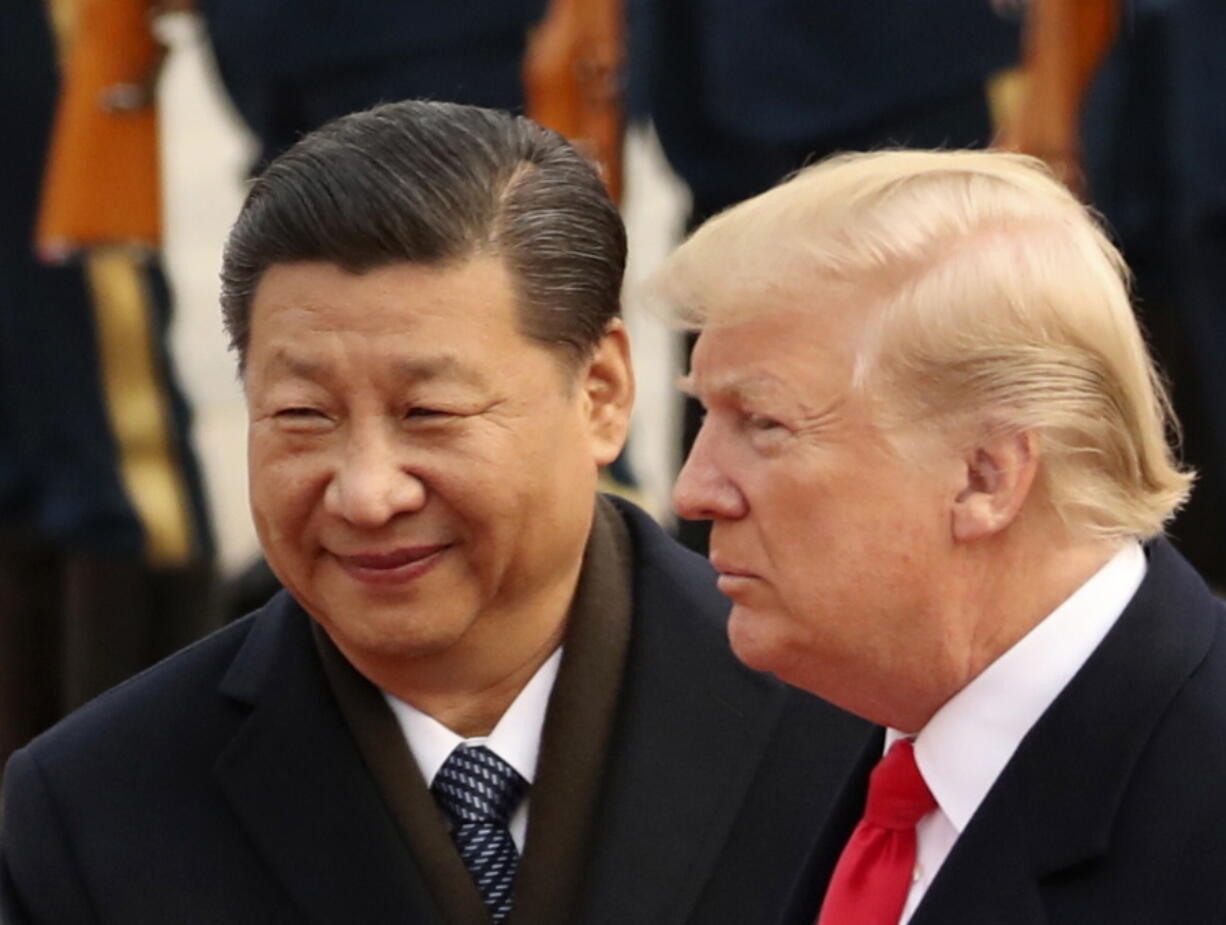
x,y
967,743
516,739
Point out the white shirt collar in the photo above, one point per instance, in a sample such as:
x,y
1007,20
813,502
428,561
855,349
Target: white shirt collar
x,y
516,739
967,743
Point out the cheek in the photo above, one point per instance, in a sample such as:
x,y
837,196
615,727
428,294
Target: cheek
x,y
284,490
825,542
796,513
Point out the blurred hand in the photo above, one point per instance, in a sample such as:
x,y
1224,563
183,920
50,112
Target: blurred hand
x,y
1045,130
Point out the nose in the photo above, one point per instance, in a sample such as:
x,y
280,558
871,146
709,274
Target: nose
x,y
372,484
703,491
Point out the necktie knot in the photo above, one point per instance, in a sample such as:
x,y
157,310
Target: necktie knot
x,y
873,876
897,795
475,785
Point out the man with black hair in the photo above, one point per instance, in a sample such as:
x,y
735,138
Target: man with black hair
x,y
487,694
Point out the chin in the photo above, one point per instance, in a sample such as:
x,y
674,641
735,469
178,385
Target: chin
x,y
754,646
390,635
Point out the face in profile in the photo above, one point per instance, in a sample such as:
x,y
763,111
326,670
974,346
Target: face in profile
x,y
823,533
422,473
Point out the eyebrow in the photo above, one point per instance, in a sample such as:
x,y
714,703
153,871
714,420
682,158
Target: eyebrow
x,y
754,388
442,366
416,369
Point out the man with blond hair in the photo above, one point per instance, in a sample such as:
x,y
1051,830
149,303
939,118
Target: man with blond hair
x,y
936,459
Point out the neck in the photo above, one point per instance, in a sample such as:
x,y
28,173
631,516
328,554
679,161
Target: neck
x,y
1008,586
476,712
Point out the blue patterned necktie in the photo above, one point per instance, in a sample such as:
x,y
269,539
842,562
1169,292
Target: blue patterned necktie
x,y
478,791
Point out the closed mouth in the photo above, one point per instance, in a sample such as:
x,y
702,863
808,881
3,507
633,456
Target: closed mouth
x,y
393,559
394,565
728,570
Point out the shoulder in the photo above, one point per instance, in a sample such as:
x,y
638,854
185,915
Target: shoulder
x,y
179,705
1196,715
1174,702
1179,624
1161,675
129,784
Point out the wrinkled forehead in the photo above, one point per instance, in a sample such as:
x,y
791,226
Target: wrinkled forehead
x,y
754,355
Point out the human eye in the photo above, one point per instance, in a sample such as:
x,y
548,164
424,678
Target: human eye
x,y
440,406
301,419
758,422
420,412
299,413
762,423
435,415
764,431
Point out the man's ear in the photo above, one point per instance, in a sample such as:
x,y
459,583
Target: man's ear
x,y
998,474
608,386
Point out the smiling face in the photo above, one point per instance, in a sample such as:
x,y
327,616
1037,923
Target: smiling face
x,y
422,474
828,541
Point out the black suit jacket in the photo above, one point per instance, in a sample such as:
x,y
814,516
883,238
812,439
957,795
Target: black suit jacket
x,y
225,786
1113,808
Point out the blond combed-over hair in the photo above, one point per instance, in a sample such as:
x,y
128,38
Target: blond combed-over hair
x,y
989,293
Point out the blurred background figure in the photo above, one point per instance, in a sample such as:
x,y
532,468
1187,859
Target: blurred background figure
x,y
742,94
105,547
289,66
1126,100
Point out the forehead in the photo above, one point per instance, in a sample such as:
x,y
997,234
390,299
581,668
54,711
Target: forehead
x,y
413,321
300,303
466,287
773,352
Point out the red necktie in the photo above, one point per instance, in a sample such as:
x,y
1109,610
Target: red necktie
x,y
873,876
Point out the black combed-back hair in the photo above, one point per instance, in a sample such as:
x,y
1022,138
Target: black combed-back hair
x,y
437,183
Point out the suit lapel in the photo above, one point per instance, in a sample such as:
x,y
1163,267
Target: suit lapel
x,y
691,728
1055,804
686,758
404,791
989,877
299,787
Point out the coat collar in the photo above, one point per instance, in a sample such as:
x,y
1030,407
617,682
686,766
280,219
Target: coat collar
x,y
1055,804
689,730
574,748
